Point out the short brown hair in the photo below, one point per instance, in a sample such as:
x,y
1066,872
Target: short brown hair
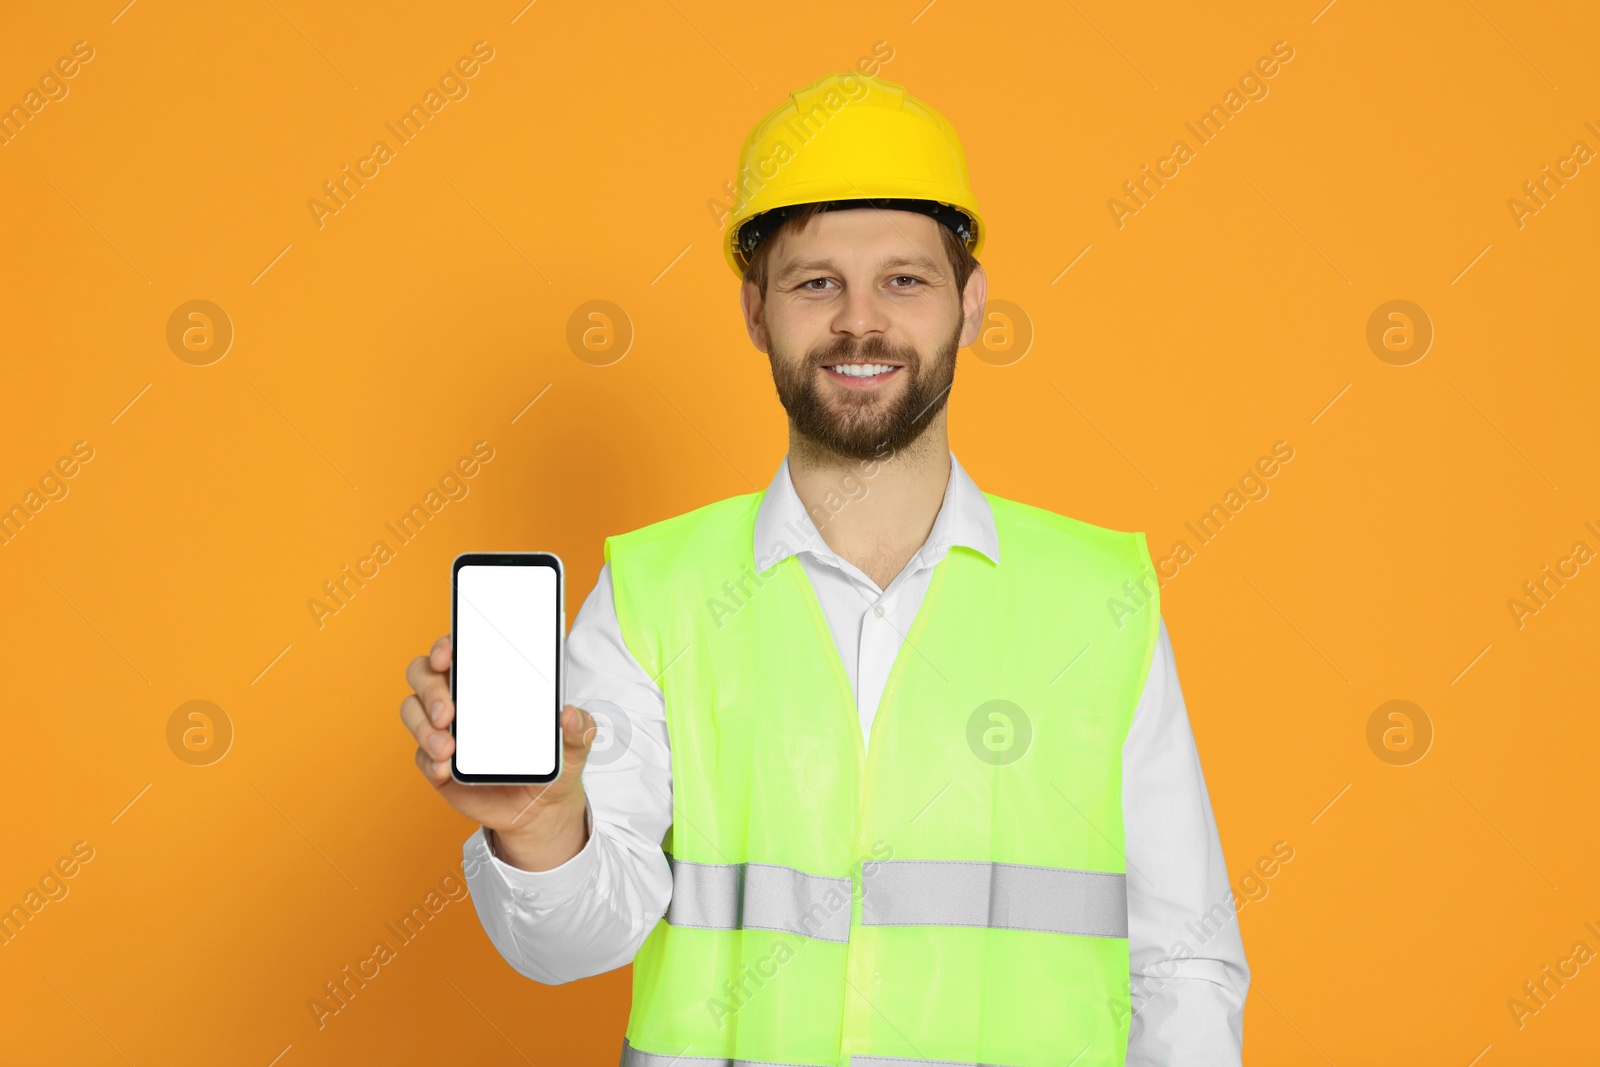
x,y
955,250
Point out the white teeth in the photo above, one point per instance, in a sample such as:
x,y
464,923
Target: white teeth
x,y
863,370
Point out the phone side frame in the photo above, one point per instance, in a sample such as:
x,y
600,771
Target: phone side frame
x,y
515,559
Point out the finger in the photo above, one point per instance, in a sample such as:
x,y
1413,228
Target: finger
x,y
436,741
574,721
578,729
440,654
412,715
430,686
435,771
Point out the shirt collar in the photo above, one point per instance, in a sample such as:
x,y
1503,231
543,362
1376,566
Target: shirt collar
x,y
784,527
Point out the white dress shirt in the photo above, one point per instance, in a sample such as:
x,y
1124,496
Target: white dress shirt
x,y
591,914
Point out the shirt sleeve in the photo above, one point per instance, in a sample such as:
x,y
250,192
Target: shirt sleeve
x,y
1186,957
591,914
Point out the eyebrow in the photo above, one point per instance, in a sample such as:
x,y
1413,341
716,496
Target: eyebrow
x,y
809,266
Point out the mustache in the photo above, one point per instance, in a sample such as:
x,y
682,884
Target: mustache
x,y
875,347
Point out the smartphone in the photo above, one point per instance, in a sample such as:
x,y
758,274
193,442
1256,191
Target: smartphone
x,y
508,625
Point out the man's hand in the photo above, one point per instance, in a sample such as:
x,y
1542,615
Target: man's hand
x,y
535,827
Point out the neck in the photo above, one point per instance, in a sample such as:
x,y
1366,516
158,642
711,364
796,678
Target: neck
x,y
875,512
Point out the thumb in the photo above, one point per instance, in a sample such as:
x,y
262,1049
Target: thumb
x,y
578,729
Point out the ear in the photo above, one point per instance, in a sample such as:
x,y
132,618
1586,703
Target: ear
x,y
755,315
973,299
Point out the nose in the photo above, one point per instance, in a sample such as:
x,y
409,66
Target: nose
x,y
861,313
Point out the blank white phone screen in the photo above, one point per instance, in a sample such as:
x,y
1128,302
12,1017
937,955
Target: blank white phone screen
x,y
506,619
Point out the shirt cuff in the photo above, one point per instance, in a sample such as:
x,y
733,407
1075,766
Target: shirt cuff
x,y
542,888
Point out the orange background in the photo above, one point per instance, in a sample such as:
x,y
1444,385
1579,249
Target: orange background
x,y
371,353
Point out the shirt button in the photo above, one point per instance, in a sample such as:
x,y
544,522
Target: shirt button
x,y
877,977
878,611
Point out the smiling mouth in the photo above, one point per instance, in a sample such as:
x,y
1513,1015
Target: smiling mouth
x,y
862,374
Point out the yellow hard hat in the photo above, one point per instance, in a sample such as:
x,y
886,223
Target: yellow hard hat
x,y
849,137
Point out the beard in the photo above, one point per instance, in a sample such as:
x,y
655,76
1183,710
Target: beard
x,y
863,425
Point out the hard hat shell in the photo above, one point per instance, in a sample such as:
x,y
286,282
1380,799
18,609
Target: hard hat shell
x,y
849,136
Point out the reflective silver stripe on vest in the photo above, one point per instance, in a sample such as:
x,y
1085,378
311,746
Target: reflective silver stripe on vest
x,y
758,896
1010,896
632,1057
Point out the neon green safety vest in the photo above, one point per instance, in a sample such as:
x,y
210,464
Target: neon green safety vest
x,y
955,893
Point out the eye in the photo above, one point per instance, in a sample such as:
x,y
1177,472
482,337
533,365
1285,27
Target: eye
x,y
911,277
806,285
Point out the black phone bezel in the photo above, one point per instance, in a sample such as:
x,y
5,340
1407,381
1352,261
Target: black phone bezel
x,y
512,559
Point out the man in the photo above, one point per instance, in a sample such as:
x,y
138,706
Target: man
x,y
885,782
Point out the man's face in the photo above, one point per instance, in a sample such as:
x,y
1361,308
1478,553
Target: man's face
x,y
862,322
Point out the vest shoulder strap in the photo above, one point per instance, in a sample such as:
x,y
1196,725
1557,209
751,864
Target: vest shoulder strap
x,y
683,560
1115,549
1115,565
671,561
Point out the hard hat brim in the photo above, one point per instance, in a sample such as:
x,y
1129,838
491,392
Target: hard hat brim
x,y
748,236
